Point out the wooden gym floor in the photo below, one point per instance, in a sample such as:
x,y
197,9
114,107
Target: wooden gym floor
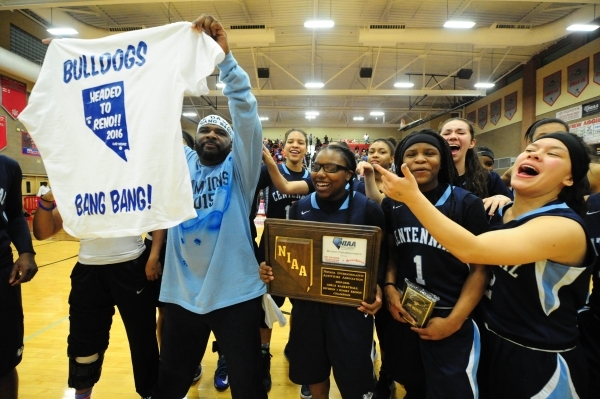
x,y
43,371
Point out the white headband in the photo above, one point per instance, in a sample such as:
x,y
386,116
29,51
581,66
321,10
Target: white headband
x,y
216,120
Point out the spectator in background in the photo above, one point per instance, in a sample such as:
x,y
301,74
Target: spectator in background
x,y
486,156
366,137
44,189
326,140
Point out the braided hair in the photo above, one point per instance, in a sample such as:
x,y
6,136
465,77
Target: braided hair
x,y
447,174
348,156
476,175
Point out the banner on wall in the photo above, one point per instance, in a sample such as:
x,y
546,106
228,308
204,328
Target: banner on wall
x,y
578,77
29,147
597,68
3,141
570,114
482,114
552,88
495,111
591,108
588,130
472,117
510,105
14,96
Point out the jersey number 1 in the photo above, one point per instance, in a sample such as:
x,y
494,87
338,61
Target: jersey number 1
x,y
419,264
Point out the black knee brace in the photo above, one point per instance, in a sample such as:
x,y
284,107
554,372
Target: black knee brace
x,y
82,376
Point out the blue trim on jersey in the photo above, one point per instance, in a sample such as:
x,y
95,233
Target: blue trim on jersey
x,y
313,201
560,386
551,277
444,197
287,171
474,357
545,208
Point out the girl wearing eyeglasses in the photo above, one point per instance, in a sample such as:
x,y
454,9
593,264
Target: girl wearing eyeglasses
x,y
324,336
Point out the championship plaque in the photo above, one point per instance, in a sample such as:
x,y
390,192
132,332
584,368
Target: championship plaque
x,y
418,302
323,262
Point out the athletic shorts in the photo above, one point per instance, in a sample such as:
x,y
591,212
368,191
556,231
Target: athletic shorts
x,y
325,337
589,327
11,316
519,372
434,369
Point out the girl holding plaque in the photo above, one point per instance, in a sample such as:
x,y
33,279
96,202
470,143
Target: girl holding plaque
x,y
439,357
543,272
326,336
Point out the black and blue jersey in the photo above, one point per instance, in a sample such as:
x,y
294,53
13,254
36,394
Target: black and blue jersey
x,y
535,305
277,205
495,185
592,222
420,258
13,226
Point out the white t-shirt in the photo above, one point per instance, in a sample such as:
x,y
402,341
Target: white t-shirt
x,y
43,190
108,251
105,115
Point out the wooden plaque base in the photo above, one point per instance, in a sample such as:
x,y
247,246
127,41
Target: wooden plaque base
x,y
323,262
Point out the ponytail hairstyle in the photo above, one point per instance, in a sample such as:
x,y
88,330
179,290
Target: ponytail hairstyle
x,y
476,175
448,175
348,156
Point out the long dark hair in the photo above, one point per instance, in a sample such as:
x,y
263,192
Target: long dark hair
x,y
348,156
476,176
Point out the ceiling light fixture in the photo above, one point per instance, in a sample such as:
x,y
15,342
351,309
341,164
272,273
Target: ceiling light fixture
x,y
406,85
264,118
377,113
220,85
314,85
358,118
311,113
319,23
190,114
583,27
309,117
459,24
62,31
484,85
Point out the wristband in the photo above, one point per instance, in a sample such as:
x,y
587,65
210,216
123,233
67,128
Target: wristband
x,y
386,284
44,208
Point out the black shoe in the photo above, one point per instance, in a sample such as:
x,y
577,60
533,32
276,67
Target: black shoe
x,y
197,374
266,368
385,387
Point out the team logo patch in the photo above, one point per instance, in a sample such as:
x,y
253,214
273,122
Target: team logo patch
x,y
104,109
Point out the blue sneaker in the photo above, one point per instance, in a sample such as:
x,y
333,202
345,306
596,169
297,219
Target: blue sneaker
x,y
305,392
221,380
